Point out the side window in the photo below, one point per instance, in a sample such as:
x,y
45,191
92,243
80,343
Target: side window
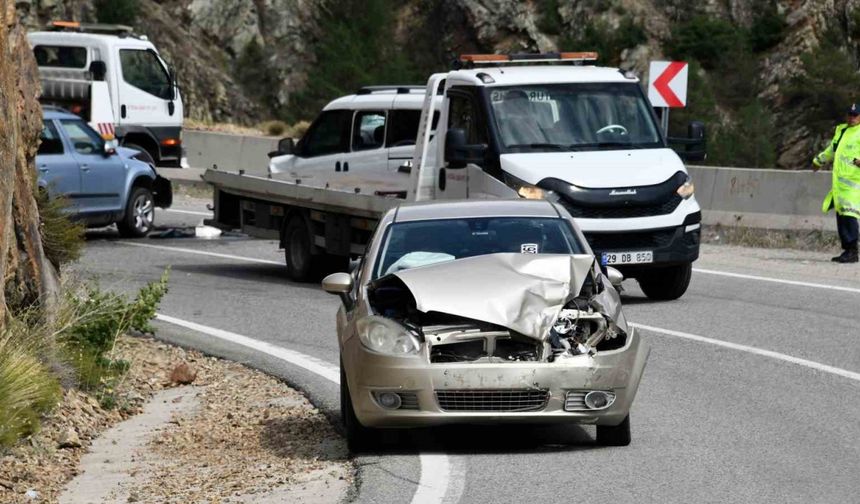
x,y
143,70
403,126
368,130
84,139
50,142
329,134
463,114
60,56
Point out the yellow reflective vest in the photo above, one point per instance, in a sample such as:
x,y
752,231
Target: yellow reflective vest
x,y
844,196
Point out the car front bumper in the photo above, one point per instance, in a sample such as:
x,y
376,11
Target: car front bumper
x,y
369,373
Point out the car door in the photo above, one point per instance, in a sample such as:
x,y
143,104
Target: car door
x,y
58,169
369,157
145,90
321,152
102,176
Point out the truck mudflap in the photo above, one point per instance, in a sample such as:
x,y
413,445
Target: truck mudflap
x,y
162,192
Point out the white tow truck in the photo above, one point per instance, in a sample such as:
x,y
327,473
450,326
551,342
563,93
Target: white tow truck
x,y
117,82
500,126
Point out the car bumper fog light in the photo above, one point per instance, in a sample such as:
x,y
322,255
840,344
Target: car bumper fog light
x,y
598,399
388,400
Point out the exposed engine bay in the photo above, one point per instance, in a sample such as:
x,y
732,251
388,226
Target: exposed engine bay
x,y
504,308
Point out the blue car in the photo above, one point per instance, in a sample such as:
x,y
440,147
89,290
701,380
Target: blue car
x,y
104,184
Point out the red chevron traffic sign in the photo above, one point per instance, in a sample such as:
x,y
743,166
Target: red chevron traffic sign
x,y
668,83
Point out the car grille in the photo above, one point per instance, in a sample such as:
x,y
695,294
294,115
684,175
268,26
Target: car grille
x,y
631,241
408,400
622,212
492,400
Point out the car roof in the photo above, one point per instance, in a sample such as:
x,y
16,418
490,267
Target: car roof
x,y
430,210
49,112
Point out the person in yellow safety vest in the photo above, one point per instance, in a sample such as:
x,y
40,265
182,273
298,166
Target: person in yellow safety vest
x,y
844,152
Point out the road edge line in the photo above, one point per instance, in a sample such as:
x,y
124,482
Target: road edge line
x,y
796,283
201,252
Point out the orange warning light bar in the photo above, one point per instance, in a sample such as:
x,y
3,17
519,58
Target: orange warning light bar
x,y
581,56
65,24
484,58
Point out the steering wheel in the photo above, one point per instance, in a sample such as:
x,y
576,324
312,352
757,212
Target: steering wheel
x,y
612,127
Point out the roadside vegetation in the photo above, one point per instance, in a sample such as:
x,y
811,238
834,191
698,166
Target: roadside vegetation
x,y
72,344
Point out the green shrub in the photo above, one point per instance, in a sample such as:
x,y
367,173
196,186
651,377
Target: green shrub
x,y
549,19
710,41
116,11
298,130
768,29
62,238
274,128
598,36
27,387
257,76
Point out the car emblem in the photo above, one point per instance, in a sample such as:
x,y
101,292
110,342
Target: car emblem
x,y
628,192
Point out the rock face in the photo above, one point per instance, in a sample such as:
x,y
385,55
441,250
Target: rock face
x,y
28,277
244,60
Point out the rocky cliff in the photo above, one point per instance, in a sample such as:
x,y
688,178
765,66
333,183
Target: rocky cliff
x,y
247,60
28,277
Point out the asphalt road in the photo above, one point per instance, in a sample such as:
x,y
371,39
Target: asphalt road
x,y
710,423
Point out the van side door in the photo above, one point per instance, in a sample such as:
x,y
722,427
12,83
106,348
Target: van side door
x,y
320,154
58,170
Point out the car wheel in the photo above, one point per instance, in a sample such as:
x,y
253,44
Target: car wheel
x,y
139,214
666,284
301,263
358,437
614,435
144,155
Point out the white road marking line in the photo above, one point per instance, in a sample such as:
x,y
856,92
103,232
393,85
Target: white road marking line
x,y
433,483
778,280
189,212
851,375
201,252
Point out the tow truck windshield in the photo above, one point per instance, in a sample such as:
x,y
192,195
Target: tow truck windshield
x,y
573,117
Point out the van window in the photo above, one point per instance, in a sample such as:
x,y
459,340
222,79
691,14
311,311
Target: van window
x,y
403,126
60,56
329,134
368,130
50,142
143,70
84,139
463,114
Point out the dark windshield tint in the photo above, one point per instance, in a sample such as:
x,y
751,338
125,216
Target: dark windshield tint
x,y
412,244
552,117
60,56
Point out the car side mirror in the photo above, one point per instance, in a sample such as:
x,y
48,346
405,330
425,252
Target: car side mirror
x,y
171,75
285,146
458,153
109,148
693,148
98,69
340,284
615,277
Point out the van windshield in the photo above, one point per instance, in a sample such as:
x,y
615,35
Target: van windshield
x,y
581,116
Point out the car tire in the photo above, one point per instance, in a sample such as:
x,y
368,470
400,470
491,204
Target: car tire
x,y
139,216
144,155
614,435
302,264
358,437
666,284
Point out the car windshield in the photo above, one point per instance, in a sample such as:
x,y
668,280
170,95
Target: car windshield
x,y
564,117
420,243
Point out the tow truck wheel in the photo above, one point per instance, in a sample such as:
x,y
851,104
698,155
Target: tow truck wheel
x,y
297,251
667,283
614,435
358,437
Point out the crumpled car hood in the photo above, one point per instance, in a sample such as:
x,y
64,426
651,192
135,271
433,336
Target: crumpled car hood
x,y
522,292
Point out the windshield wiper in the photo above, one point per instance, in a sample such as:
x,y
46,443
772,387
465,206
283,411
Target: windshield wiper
x,y
538,146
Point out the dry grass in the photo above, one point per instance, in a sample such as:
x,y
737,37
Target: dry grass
x,y
820,241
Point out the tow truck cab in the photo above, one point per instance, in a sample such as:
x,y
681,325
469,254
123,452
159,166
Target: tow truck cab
x,y
585,137
116,81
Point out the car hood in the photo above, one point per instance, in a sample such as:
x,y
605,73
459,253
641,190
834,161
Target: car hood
x,y
522,292
596,169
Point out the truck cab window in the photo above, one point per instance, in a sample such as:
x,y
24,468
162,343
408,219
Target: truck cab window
x,y
403,127
368,130
84,139
50,142
143,70
60,56
329,134
463,114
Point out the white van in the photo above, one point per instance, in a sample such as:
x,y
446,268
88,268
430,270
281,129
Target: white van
x,y
117,82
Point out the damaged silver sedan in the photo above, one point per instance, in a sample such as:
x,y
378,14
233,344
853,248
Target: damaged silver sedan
x,y
483,312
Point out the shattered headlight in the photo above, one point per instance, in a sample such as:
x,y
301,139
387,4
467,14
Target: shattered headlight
x,y
386,336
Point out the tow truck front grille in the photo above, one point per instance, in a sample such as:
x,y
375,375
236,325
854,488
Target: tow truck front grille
x,y
623,212
631,241
508,400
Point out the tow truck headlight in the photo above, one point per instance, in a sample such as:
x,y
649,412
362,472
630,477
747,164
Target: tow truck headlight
x,y
529,191
386,336
686,189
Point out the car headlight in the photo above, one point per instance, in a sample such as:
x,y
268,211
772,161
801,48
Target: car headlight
x,y
686,189
386,336
528,191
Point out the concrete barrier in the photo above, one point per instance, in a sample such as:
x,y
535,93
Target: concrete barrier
x,y
772,199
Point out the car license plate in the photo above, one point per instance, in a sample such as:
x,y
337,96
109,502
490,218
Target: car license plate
x,y
641,257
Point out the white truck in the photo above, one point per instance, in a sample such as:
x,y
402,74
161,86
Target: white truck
x,y
501,126
117,82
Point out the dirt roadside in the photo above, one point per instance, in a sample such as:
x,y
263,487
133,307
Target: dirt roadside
x,y
226,433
